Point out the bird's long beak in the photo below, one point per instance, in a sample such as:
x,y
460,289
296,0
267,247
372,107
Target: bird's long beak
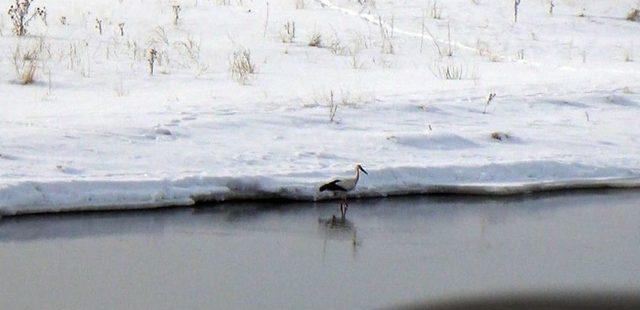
x,y
365,172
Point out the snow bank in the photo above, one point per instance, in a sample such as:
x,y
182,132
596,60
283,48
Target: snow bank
x,y
495,179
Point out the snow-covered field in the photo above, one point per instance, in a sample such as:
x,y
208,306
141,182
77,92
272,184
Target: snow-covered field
x,y
96,131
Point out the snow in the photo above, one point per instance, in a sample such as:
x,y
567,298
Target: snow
x,y
98,132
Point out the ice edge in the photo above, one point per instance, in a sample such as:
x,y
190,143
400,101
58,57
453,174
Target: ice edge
x,y
28,197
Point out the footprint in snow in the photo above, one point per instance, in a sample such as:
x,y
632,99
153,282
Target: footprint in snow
x,y
7,157
157,133
433,141
163,132
68,170
225,112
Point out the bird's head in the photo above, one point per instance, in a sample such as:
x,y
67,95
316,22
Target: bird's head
x,y
359,167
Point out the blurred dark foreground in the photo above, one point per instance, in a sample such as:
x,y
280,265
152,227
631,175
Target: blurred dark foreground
x,y
537,301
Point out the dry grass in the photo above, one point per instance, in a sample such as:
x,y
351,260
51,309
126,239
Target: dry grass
x,y
241,66
288,32
633,15
158,36
230,2
315,40
190,50
449,71
355,62
435,12
359,42
26,61
367,5
159,41
628,55
78,57
336,47
340,100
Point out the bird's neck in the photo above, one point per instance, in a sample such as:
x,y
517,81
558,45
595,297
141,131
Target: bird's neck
x,y
357,174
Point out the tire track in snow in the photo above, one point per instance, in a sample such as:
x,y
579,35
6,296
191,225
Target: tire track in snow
x,y
376,20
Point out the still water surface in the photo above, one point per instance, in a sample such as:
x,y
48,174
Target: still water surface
x,y
389,252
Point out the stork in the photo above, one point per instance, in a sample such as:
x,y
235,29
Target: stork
x,y
342,187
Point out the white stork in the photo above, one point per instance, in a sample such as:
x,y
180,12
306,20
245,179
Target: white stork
x,y
342,187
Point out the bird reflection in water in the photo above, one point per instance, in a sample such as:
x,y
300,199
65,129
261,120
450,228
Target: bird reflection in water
x,y
338,229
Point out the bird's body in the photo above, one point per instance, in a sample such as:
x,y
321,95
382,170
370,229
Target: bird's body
x,y
332,187
342,187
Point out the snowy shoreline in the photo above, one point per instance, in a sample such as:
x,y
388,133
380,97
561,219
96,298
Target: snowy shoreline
x,y
30,197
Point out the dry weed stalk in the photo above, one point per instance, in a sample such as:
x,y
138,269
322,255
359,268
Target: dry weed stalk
x,y
19,14
333,108
385,35
489,99
176,14
152,55
99,25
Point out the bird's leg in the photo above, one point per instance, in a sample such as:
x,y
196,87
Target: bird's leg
x,y
346,206
341,212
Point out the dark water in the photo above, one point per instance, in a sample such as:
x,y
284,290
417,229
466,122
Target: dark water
x,y
389,252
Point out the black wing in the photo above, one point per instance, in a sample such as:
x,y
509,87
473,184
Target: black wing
x,y
332,186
